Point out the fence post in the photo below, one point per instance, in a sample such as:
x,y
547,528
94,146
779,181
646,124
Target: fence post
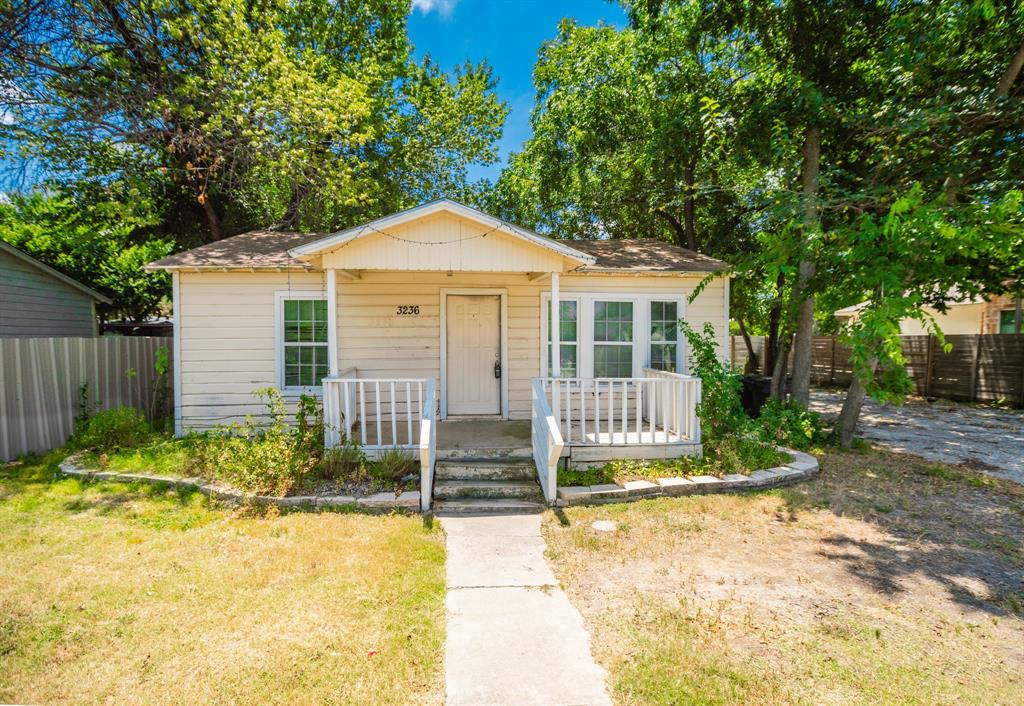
x,y
929,365
832,368
974,368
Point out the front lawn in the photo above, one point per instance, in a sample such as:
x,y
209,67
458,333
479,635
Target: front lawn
x,y
126,594
886,580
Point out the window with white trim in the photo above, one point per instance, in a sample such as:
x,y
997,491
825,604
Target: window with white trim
x,y
568,333
613,339
304,342
664,335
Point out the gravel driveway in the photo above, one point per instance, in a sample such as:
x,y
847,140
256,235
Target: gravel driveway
x,y
989,439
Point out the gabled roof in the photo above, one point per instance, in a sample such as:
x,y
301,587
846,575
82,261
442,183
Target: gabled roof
x,y
25,257
284,250
335,240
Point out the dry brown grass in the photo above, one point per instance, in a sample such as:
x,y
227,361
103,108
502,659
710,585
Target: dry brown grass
x,y
888,579
127,595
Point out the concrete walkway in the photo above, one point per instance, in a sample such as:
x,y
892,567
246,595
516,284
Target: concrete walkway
x,y
513,635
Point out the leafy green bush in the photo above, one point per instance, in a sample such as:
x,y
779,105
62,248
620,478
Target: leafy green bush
x,y
790,425
260,458
733,454
728,454
720,410
391,466
119,428
344,463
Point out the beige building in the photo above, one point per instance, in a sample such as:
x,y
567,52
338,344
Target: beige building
x,y
442,313
996,315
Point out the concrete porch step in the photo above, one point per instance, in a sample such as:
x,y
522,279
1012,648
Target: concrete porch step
x,y
489,489
484,453
486,506
486,469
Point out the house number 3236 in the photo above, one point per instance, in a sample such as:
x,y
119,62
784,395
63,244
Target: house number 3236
x,y
408,311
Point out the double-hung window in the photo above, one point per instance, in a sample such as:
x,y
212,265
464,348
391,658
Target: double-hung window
x,y
613,339
568,334
664,335
303,342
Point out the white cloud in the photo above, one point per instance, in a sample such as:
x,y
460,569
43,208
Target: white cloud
x,y
444,8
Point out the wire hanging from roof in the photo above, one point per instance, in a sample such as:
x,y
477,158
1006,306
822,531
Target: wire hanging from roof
x,y
435,242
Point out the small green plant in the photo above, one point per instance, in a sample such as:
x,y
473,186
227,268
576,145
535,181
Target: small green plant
x,y
790,425
733,454
344,463
85,408
161,388
262,458
391,466
720,410
593,475
309,425
119,428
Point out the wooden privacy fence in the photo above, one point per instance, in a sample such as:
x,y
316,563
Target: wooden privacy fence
x,y
41,381
979,368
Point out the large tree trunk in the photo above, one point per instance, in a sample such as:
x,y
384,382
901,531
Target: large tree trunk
x,y
847,422
689,210
752,362
771,345
805,317
778,388
677,227
212,218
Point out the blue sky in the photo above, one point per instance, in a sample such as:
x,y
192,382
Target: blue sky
x,y
508,34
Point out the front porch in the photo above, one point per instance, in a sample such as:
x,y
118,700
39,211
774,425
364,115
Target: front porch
x,y
574,421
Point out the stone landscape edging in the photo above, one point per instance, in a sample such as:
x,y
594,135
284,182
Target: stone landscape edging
x,y
378,501
800,467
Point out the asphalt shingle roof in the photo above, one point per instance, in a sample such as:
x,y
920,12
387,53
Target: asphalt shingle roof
x,y
268,249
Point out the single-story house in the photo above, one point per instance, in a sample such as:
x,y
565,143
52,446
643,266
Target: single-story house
x,y
38,301
970,316
441,314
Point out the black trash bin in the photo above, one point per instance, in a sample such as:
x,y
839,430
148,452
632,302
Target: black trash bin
x,y
755,392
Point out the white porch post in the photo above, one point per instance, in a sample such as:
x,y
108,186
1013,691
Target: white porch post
x,y
555,361
332,321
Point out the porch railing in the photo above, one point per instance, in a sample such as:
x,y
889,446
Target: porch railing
x,y
381,413
547,441
658,408
384,414
428,446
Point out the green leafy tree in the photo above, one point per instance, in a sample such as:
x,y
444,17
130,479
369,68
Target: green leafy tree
x,y
307,114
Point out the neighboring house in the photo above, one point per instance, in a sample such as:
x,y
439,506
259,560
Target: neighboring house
x,y
997,315
444,297
37,300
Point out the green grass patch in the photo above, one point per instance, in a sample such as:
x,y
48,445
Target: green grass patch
x,y
104,588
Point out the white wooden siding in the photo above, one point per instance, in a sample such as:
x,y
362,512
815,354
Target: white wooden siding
x,y
227,328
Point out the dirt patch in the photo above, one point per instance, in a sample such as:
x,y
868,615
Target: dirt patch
x,y
888,579
985,438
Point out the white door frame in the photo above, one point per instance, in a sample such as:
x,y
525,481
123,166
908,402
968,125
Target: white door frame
x,y
474,291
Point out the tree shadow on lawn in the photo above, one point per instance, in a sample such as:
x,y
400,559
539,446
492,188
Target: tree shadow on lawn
x,y
959,529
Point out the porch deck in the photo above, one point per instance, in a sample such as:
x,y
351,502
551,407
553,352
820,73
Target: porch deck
x,y
483,438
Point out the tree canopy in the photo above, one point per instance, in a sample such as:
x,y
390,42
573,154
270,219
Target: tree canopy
x,y
845,151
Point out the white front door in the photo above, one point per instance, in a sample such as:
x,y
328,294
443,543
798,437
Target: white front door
x,y
474,351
